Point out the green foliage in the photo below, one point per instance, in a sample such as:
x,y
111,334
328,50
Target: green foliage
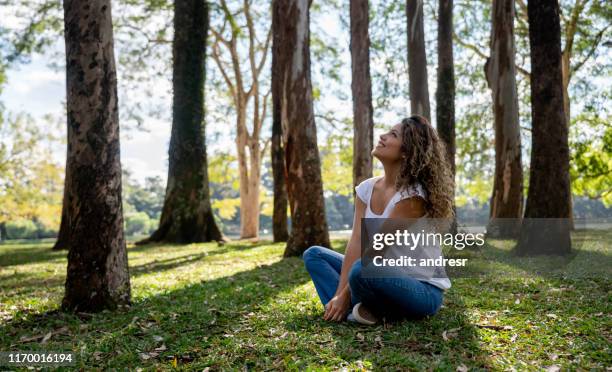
x,y
224,185
475,191
337,161
148,199
42,24
138,223
21,229
142,204
591,165
31,182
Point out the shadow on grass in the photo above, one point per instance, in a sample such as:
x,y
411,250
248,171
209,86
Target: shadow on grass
x,y
14,253
27,253
187,318
222,248
26,284
591,257
442,342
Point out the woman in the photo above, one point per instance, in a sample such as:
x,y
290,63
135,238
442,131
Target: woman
x,y
417,182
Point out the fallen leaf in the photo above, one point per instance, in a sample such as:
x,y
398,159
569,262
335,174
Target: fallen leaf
x,y
553,368
462,368
360,337
46,338
161,348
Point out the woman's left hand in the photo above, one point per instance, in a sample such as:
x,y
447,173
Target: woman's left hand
x,y
335,309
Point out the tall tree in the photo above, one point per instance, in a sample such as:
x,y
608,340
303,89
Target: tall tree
x,y
279,214
249,147
361,86
507,197
97,276
302,163
417,59
549,182
445,92
187,214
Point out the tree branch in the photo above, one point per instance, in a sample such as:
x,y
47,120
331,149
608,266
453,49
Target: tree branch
x,y
594,46
146,36
484,56
570,28
523,7
217,59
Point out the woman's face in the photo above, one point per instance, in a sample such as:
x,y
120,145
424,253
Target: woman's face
x,y
388,147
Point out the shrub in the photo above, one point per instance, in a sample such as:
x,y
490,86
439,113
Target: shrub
x,y
21,229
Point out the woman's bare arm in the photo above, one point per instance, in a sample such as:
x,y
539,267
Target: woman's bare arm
x,y
337,306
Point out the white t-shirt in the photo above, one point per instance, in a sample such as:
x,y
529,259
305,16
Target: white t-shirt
x,y
364,192
366,187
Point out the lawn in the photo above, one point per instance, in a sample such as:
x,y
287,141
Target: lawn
x,y
241,306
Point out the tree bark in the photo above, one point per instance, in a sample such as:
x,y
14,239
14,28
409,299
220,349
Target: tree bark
x,y
280,232
63,234
361,86
507,197
445,93
302,163
2,231
417,60
97,275
549,183
250,176
187,215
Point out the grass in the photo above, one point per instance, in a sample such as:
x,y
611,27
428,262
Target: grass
x,y
241,306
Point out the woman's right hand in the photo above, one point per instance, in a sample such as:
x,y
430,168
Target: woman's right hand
x,y
336,308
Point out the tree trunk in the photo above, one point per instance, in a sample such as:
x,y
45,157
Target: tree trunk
x,y
279,217
549,183
507,197
445,93
565,70
302,163
2,231
187,215
417,60
361,86
63,234
249,173
97,276
566,76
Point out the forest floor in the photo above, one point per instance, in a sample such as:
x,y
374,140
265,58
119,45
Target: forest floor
x,y
241,306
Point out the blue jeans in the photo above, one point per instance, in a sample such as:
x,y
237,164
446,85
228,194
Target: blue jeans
x,y
393,298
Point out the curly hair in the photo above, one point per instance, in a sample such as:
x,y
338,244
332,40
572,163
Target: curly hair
x,y
424,160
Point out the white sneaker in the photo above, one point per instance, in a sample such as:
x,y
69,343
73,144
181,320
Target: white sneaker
x,y
365,317
351,318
